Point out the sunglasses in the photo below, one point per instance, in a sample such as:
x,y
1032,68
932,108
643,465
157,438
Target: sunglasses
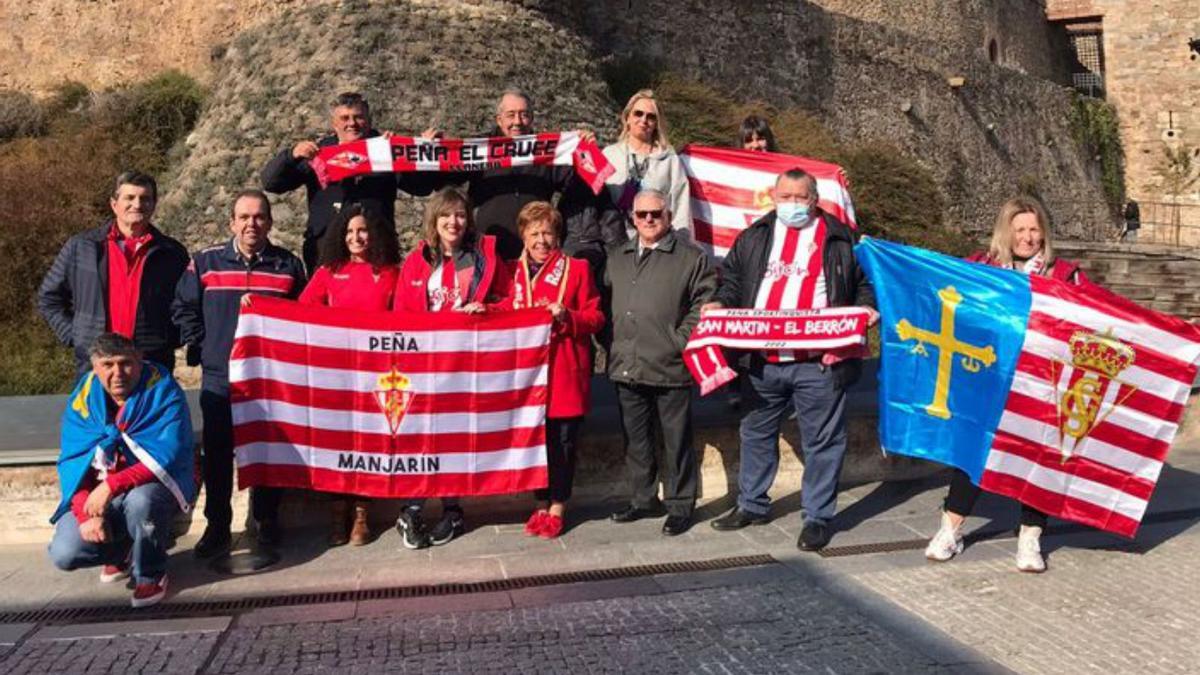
x,y
648,215
650,117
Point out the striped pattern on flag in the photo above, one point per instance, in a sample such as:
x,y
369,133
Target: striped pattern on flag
x,y
1104,479
387,404
730,190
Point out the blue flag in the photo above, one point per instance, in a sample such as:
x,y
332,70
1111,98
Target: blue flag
x,y
154,428
950,334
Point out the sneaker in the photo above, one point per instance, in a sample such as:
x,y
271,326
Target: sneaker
x,y
111,573
533,526
1029,550
412,529
450,526
947,543
145,595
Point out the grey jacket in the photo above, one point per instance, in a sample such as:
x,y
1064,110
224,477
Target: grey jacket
x,y
652,306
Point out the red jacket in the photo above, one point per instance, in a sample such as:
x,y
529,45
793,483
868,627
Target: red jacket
x,y
1061,270
491,283
356,285
570,379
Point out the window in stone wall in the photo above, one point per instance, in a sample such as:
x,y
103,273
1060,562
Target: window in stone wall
x,y
1087,66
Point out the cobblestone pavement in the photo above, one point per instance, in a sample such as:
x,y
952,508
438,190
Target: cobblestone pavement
x,y
776,626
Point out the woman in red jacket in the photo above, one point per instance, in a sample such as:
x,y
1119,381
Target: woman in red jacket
x,y
360,262
1020,241
546,277
452,269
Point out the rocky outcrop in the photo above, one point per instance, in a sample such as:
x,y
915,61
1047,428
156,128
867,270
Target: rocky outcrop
x,y
420,64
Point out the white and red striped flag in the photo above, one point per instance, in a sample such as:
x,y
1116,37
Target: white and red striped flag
x,y
730,189
387,404
1064,397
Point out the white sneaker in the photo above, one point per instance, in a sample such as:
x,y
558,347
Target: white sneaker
x,y
947,543
1029,550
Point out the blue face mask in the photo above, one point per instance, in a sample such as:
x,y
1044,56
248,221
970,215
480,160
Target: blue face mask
x,y
792,214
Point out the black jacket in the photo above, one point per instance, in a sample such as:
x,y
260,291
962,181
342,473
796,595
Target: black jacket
x,y
845,284
499,195
73,296
285,173
209,294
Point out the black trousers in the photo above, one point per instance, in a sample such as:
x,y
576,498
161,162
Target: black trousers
x,y
644,408
218,466
963,495
561,435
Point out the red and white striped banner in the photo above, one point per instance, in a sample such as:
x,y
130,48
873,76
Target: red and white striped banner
x,y
841,330
383,154
388,404
1099,390
730,189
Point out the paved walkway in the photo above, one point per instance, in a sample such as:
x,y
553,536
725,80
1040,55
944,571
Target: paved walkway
x,y
1107,605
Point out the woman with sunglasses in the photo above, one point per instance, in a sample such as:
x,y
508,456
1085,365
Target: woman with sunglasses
x,y
360,261
644,160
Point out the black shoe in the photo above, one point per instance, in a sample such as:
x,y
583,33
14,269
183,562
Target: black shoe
x,y
814,537
268,532
213,542
737,519
450,526
631,513
413,534
676,525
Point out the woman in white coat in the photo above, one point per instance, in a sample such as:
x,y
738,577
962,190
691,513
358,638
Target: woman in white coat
x,y
644,160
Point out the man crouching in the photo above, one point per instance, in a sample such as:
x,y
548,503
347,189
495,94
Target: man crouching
x,y
127,468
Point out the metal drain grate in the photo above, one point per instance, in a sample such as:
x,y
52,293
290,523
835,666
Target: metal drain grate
x,y
1000,533
225,607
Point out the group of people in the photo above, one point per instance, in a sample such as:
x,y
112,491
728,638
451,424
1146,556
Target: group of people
x,y
618,268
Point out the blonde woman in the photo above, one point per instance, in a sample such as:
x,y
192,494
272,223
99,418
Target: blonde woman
x,y
644,160
1020,241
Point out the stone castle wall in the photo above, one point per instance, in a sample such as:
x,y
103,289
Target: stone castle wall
x,y
1001,130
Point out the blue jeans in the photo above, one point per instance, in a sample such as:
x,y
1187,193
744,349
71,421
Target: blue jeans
x,y
139,525
820,405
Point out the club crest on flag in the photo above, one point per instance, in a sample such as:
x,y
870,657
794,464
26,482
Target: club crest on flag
x,y
974,357
584,158
347,159
1086,390
394,397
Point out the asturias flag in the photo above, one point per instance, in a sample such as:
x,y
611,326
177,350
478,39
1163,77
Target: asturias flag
x,y
1064,397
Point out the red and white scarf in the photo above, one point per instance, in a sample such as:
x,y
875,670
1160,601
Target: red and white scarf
x,y
384,154
550,281
794,276
826,330
445,286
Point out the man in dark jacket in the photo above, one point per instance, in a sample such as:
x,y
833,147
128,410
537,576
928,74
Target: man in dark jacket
x,y
290,169
655,287
207,301
118,278
796,257
589,223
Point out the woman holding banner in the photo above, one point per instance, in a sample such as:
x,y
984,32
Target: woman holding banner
x,y
1020,241
564,286
644,160
360,262
452,269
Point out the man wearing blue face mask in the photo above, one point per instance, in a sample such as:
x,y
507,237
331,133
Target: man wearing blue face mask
x,y
796,257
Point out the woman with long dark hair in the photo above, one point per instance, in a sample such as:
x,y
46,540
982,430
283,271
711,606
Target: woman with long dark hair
x,y
359,265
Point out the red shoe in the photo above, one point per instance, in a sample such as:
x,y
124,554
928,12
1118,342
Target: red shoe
x,y
533,526
145,595
113,573
552,526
